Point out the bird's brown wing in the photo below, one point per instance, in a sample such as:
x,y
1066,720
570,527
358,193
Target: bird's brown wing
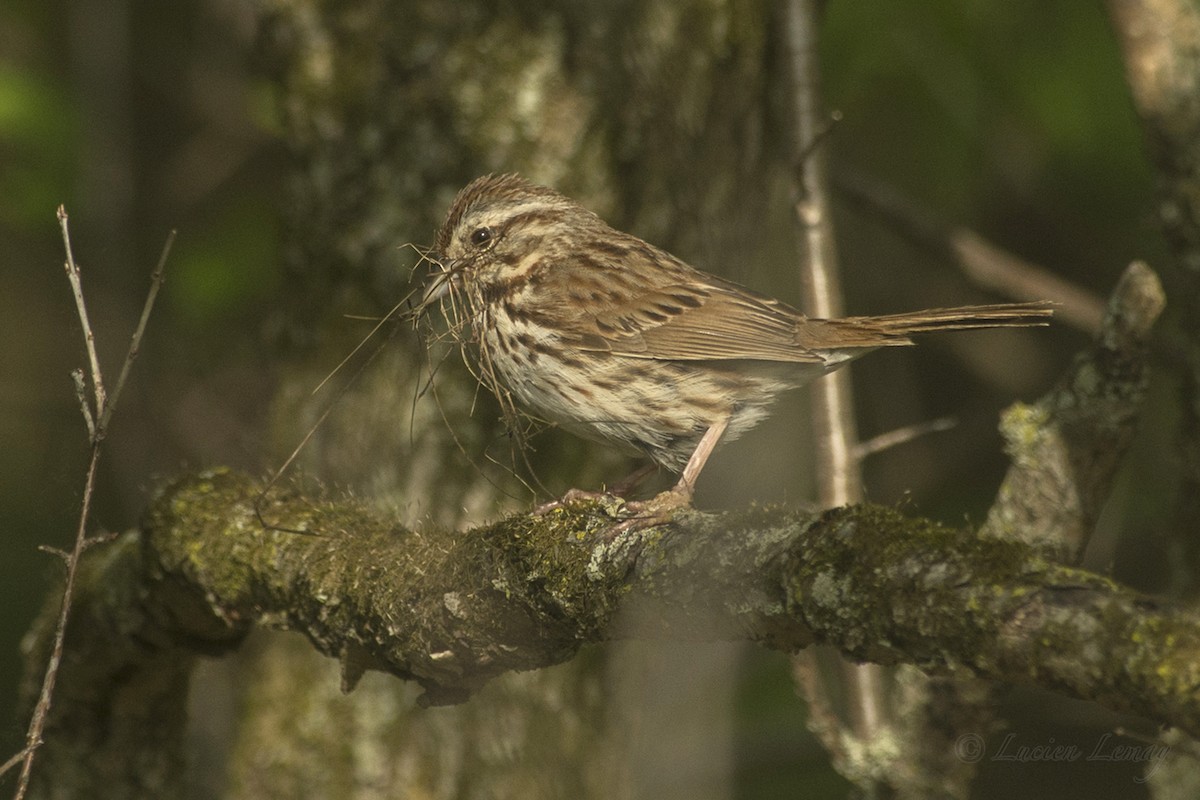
x,y
697,319
674,312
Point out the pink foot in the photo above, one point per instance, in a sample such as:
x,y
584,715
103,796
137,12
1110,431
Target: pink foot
x,y
658,510
618,490
637,515
572,496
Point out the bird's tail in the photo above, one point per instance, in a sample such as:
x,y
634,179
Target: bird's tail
x,y
895,329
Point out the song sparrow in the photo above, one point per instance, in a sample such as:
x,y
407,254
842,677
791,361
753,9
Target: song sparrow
x,y
618,341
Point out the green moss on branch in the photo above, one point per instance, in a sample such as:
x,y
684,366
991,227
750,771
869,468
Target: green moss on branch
x,y
452,610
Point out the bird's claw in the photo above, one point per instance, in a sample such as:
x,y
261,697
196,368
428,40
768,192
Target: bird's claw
x,y
577,496
634,515
658,510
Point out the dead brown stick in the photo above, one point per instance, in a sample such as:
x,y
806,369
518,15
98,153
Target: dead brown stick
x,y
837,459
984,262
97,414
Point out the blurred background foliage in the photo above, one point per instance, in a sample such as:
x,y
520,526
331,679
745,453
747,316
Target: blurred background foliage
x,y
1010,118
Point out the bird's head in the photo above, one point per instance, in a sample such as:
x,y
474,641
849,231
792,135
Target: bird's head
x,y
501,228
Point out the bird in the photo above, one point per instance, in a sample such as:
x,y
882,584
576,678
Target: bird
x,y
619,341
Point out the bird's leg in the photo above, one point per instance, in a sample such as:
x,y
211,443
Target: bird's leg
x,y
691,471
661,508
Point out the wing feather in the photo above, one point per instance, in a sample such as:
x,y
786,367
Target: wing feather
x,y
667,310
701,319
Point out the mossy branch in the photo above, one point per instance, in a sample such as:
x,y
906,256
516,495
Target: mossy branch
x,y
1067,446
452,610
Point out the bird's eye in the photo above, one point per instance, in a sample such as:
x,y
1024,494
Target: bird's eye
x,y
481,236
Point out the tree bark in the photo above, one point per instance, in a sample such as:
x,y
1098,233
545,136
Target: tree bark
x,y
452,611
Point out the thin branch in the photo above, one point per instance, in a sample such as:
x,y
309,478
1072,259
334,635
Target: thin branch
x,y
135,343
822,720
839,480
992,267
55,551
97,417
984,262
895,438
89,338
839,476
13,760
84,406
41,711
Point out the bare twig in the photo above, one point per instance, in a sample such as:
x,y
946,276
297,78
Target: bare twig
x,y
135,344
992,267
14,760
899,436
822,719
89,338
839,478
984,262
37,724
97,415
81,396
839,481
55,551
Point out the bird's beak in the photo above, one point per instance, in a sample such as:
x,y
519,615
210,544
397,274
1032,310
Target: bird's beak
x,y
439,284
